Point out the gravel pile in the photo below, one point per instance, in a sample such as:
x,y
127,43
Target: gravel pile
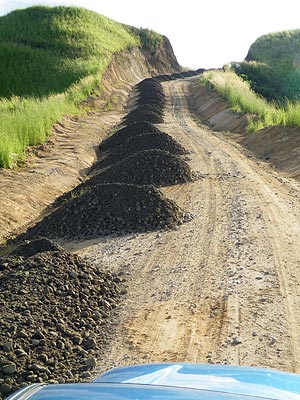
x,y
149,84
131,130
55,316
105,209
163,78
145,107
144,116
150,103
151,97
152,113
148,141
148,167
150,92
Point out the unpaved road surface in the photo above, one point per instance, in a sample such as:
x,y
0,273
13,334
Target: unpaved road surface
x,y
224,287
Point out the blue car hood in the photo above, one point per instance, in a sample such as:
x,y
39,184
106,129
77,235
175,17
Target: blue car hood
x,y
120,391
259,382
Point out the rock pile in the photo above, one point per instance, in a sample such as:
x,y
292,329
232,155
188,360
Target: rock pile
x,y
118,199
148,141
141,115
55,315
148,167
150,103
56,307
179,75
103,209
128,132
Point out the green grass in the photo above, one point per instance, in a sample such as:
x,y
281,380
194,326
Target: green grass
x,y
28,121
148,38
51,60
272,65
243,99
44,50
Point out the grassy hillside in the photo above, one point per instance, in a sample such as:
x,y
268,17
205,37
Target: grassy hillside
x,y
51,60
44,50
243,99
272,65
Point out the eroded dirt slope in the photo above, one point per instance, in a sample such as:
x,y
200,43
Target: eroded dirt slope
x,y
224,287
61,164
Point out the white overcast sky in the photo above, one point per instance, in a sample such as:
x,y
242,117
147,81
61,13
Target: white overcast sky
x,y
203,34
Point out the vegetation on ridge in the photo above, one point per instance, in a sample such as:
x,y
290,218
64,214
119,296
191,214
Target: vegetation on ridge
x,y
44,50
51,60
243,99
272,65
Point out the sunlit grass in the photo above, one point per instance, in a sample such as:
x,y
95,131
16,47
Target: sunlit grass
x,y
241,98
28,121
51,60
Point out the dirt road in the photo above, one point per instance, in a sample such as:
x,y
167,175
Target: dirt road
x,y
224,287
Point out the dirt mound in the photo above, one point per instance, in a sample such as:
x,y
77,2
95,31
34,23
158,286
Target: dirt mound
x,y
148,167
144,108
149,83
148,141
144,116
164,77
112,208
150,92
30,248
131,130
153,99
188,74
151,95
55,311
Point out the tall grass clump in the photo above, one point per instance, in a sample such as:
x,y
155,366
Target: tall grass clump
x,y
291,113
28,121
243,99
51,60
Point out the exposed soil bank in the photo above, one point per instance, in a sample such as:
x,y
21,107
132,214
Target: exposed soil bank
x,y
279,146
59,165
213,109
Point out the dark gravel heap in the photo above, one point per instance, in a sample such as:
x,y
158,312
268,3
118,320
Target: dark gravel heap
x,y
55,317
105,209
152,99
30,248
145,109
150,93
164,78
179,75
149,84
148,141
144,115
132,130
148,167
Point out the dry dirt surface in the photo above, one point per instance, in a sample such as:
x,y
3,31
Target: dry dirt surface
x,y
223,287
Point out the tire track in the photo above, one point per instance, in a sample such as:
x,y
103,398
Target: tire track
x,y
223,287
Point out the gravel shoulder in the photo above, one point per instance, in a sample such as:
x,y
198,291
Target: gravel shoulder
x,y
223,287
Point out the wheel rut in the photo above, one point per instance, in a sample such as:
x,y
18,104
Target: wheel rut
x,y
223,287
